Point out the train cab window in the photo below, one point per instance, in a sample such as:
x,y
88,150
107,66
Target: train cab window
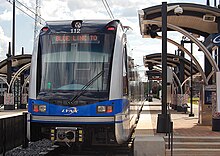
x,y
125,73
77,62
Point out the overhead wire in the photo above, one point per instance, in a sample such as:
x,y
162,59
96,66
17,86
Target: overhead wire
x,y
26,12
29,9
105,3
109,9
106,8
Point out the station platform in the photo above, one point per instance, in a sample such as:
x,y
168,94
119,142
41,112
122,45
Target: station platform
x,y
189,136
10,113
183,125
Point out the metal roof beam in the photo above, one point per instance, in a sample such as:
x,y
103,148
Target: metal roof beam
x,y
185,33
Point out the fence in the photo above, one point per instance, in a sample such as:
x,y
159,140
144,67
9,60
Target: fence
x,y
13,132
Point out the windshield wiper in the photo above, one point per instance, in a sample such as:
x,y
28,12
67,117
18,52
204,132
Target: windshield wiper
x,y
84,88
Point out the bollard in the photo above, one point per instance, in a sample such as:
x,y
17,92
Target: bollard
x,y
1,137
25,140
169,127
171,130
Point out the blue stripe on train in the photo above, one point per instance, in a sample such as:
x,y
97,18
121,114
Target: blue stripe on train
x,y
59,122
119,105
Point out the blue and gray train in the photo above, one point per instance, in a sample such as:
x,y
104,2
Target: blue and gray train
x,y
84,87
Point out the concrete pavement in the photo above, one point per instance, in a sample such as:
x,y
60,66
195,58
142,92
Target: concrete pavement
x,y
190,137
183,124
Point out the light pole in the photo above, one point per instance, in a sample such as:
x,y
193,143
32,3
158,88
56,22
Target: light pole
x,y
183,41
163,119
13,30
191,84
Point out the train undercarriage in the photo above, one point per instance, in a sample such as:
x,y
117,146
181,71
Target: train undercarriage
x,y
86,135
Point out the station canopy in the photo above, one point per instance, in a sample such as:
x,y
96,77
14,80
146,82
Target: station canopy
x,y
17,62
196,19
172,61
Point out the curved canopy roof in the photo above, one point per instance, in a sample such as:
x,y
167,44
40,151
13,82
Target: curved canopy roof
x,y
17,62
196,18
172,61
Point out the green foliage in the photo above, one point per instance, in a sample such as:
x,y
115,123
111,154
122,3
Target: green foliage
x,y
195,100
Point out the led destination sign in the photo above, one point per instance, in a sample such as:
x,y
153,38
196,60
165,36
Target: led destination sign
x,y
75,38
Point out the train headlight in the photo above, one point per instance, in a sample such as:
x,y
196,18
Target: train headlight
x,y
101,109
104,109
42,108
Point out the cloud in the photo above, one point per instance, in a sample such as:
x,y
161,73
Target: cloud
x,y
3,44
89,14
30,3
69,10
55,10
5,4
190,1
129,8
6,15
85,4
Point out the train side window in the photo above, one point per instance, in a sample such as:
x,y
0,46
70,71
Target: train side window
x,y
125,73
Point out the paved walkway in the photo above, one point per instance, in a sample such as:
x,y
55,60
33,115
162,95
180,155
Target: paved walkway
x,y
183,124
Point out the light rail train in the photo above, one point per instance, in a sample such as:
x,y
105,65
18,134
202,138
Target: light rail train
x,y
84,87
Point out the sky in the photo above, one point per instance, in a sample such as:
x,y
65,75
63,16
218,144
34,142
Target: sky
x,y
124,10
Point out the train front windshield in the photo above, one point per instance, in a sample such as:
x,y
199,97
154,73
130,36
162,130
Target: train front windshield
x,y
71,62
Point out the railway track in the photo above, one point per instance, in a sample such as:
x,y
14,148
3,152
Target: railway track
x,y
95,151
125,149
46,148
